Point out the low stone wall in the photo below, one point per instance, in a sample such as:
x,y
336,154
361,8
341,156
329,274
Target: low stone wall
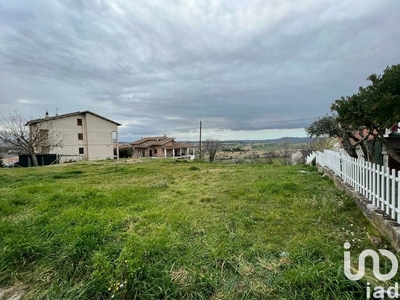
x,y
378,217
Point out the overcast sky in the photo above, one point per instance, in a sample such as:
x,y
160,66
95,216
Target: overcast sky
x,y
247,69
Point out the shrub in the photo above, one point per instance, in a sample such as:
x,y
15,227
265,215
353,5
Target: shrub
x,y
125,152
285,161
239,160
268,157
297,158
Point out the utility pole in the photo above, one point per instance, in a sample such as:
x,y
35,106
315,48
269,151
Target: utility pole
x,y
200,141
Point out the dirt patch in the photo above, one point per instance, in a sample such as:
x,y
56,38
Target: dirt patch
x,y
12,293
180,276
132,160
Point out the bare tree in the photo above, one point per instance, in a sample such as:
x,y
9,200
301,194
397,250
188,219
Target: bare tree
x,y
212,146
322,143
269,155
284,157
317,144
29,137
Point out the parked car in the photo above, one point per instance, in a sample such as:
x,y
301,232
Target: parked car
x,y
12,164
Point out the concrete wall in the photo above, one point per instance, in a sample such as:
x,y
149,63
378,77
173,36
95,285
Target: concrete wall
x,y
67,130
99,137
160,151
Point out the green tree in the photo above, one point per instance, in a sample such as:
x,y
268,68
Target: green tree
x,y
328,126
375,107
125,152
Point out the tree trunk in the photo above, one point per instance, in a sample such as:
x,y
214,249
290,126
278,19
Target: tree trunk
x,y
212,157
368,156
348,147
34,159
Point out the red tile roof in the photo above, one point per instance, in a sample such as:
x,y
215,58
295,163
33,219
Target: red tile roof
x,y
358,135
146,142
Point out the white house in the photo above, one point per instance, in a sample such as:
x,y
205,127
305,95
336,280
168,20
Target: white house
x,y
84,135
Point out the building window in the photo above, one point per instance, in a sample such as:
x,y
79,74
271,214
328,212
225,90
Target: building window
x,y
43,141
44,136
155,151
79,122
81,151
80,136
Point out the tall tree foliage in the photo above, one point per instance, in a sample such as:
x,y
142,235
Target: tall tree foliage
x,y
328,126
374,108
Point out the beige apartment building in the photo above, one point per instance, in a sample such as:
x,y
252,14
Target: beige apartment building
x,y
84,135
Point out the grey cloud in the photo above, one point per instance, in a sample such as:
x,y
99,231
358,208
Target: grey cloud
x,y
236,65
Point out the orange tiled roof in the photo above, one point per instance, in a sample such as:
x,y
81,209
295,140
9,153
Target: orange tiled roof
x,y
359,136
146,142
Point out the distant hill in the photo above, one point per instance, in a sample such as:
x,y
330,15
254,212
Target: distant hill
x,y
273,141
266,141
290,139
293,140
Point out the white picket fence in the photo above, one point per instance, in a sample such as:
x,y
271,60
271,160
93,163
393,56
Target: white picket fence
x,y
377,183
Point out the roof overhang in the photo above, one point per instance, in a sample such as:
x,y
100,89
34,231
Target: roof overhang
x,y
77,113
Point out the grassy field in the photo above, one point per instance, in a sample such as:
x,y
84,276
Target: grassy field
x,y
267,147
170,229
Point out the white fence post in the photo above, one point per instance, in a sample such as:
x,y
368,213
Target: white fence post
x,y
370,181
373,185
393,199
379,184
398,198
387,190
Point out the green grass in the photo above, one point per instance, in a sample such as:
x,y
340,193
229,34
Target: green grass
x,y
266,147
169,229
270,147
